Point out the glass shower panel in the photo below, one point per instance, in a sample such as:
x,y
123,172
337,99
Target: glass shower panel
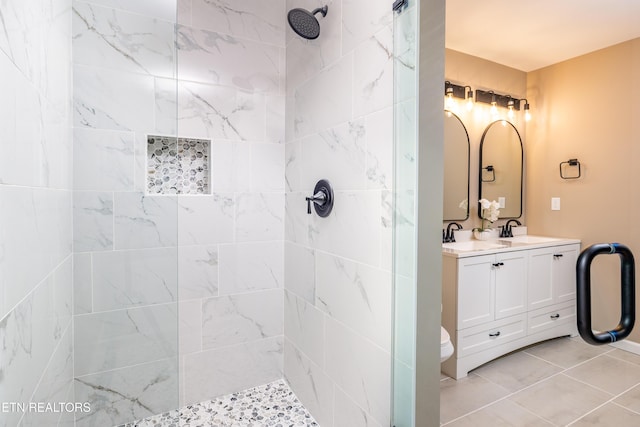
x,y
125,231
405,234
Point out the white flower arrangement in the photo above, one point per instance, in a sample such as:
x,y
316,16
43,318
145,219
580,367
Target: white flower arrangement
x,y
489,211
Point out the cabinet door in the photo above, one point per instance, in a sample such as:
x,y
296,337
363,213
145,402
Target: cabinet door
x,y
510,284
540,288
475,290
563,273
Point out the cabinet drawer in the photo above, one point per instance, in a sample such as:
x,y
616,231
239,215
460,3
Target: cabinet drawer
x,y
482,337
549,317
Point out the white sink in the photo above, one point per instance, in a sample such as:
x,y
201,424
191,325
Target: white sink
x,y
529,239
474,245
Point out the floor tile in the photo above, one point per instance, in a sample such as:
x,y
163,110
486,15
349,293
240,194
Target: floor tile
x,y
609,415
504,413
560,399
566,352
607,373
625,355
630,399
460,397
517,371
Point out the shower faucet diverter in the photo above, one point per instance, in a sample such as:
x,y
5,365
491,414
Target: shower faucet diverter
x,y
322,198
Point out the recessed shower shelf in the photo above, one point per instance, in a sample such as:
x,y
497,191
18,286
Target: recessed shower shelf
x,y
178,165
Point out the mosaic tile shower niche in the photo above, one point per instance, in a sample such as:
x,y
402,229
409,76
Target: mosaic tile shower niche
x,y
177,165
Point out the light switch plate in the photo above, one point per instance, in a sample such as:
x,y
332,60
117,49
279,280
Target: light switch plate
x,y
555,203
501,202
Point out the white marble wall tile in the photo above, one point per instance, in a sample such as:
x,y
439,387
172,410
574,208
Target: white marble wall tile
x,y
230,166
30,333
267,167
133,278
190,326
166,108
373,73
353,228
215,58
405,55
275,119
293,166
259,21
310,384
297,222
35,237
299,270
259,216
304,327
10,166
164,10
234,319
337,154
127,394
54,385
405,320
349,414
144,221
197,271
306,57
82,283
184,12
110,38
233,369
357,295
362,20
92,221
246,267
109,99
379,128
218,112
387,232
103,160
325,100
54,151
116,339
360,368
205,219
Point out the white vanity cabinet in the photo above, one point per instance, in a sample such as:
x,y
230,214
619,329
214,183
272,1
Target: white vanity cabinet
x,y
496,301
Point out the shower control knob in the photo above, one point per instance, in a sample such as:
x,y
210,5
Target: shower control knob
x,y
322,199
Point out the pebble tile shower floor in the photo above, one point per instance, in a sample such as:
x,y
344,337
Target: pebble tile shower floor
x,y
270,405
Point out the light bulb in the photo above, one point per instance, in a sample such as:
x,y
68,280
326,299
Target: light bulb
x,y
527,114
510,113
494,109
469,100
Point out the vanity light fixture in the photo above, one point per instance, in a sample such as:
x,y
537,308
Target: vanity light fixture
x,y
510,105
452,91
505,101
527,113
469,98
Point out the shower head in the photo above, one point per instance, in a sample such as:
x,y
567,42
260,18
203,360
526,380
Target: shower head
x,y
304,23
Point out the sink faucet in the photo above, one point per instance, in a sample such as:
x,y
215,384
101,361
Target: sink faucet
x,y
448,237
507,227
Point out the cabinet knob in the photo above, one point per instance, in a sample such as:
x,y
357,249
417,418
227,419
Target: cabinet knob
x,y
496,334
556,256
498,264
555,316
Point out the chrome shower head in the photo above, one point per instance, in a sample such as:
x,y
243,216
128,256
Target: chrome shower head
x,y
304,23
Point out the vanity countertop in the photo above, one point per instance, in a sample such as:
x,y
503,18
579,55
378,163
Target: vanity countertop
x,y
508,244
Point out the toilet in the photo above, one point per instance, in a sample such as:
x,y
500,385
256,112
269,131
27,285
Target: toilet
x,y
446,348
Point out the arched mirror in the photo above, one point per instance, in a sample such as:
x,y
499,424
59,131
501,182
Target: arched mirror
x,y
501,168
456,169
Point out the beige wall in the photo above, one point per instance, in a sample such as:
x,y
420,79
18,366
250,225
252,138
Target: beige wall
x,y
479,73
587,108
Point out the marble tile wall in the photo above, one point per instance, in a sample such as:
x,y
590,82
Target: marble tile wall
x,y
35,208
168,284
338,283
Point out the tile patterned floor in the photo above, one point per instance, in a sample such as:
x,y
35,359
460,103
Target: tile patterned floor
x,y
270,405
562,382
